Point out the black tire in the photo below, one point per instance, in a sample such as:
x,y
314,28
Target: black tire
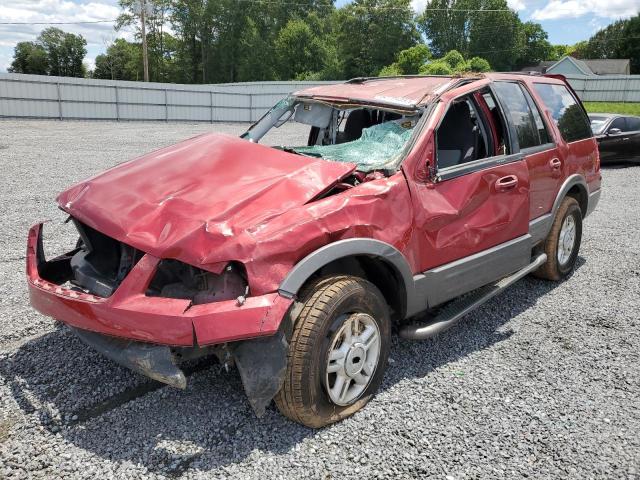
x,y
326,305
553,269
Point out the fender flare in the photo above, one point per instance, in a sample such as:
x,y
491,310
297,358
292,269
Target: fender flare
x,y
569,183
310,264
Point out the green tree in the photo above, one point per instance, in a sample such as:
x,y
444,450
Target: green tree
x,y
299,50
65,52
437,67
122,61
410,60
454,59
535,45
370,33
477,64
485,28
29,57
621,39
392,70
559,51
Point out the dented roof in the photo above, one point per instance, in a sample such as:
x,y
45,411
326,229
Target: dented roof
x,y
404,92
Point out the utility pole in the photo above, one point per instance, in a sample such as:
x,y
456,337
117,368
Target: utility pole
x,y
145,57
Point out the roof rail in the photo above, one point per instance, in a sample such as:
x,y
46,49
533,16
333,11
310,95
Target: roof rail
x,y
390,77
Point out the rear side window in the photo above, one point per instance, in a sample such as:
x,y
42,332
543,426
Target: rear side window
x,y
633,124
513,98
565,110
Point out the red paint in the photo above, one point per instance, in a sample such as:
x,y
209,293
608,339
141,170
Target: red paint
x,y
215,199
129,313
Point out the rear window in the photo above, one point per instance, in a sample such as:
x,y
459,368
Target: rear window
x,y
565,110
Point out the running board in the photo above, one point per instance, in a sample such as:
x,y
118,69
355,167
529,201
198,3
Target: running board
x,y
453,312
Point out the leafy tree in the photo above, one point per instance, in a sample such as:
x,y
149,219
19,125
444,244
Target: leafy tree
x,y
473,28
535,45
559,51
618,40
370,33
439,67
65,52
477,64
122,61
495,35
392,70
410,60
53,53
29,57
300,51
580,50
454,59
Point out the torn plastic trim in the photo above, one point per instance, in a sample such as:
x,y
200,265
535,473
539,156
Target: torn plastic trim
x,y
262,364
152,360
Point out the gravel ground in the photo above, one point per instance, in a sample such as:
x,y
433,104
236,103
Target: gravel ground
x,y
542,382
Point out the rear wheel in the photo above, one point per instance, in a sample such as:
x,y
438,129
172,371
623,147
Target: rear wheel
x,y
563,242
338,351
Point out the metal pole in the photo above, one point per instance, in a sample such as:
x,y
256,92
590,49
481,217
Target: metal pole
x,y
117,104
211,105
250,107
166,106
59,101
145,58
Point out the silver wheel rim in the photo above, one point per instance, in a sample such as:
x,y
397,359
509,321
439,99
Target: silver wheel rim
x,y
352,358
567,239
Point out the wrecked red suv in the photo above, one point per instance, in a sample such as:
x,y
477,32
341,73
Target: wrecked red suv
x,y
295,262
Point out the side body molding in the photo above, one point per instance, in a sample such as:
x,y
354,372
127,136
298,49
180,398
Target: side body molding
x,y
539,227
347,248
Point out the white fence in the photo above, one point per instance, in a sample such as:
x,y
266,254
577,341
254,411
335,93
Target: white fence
x,y
607,88
36,96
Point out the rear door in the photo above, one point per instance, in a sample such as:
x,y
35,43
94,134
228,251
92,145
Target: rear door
x,y
534,142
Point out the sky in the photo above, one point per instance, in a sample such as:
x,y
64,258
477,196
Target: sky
x,y
566,21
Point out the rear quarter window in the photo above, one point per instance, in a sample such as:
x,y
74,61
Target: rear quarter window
x,y
565,111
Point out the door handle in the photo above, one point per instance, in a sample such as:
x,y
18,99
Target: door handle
x,y
555,164
506,183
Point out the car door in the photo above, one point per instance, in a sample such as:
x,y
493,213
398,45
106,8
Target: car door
x,y
473,218
535,143
631,138
611,143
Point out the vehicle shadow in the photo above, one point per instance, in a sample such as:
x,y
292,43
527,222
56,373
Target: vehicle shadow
x,y
120,416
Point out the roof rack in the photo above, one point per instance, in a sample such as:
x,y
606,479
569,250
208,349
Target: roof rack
x,y
390,77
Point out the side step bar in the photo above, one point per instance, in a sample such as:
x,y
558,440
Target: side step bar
x,y
453,312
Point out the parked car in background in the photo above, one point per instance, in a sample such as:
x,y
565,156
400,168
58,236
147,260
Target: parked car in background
x,y
294,262
618,137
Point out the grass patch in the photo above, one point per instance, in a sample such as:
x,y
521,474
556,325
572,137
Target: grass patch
x,y
629,108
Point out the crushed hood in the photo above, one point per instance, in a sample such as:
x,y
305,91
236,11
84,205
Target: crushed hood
x,y
187,200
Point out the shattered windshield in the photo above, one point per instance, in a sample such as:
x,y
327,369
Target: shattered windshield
x,y
371,137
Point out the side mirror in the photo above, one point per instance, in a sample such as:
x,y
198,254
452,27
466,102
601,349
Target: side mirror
x,y
614,131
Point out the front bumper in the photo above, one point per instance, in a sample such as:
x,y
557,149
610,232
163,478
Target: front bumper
x,y
131,314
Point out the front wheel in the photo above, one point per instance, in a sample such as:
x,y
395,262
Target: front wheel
x,y
338,351
563,242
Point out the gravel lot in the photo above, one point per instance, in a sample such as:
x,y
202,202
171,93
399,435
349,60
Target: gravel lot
x,y
543,381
